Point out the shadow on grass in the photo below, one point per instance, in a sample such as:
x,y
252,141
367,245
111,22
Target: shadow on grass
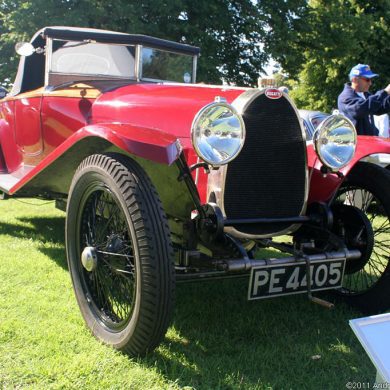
x,y
220,340
228,342
44,230
58,255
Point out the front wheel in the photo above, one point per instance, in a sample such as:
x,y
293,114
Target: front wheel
x,y
120,254
361,217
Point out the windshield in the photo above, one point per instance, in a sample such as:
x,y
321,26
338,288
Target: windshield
x,y
86,58
167,66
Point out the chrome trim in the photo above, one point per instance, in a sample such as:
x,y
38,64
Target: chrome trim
x,y
194,66
217,179
196,119
319,131
197,172
89,258
91,75
49,50
138,62
165,82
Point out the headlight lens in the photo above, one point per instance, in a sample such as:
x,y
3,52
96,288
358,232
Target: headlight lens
x,y
218,133
335,141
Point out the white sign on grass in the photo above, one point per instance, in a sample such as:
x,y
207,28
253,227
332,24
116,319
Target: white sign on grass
x,y
374,335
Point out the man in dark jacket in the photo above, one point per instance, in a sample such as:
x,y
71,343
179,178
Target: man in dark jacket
x,y
356,103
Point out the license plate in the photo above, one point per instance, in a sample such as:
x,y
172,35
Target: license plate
x,y
274,280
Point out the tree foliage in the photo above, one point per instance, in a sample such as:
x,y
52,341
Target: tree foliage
x,y
327,38
315,42
228,32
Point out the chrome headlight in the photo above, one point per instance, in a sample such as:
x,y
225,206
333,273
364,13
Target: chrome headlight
x,y
218,133
335,141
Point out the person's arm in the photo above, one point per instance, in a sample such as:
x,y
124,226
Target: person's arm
x,y
385,106
378,103
357,107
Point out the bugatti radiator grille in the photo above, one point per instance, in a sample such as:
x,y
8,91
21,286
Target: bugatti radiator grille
x,y
268,178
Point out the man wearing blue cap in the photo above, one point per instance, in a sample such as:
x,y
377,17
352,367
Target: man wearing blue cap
x,y
359,105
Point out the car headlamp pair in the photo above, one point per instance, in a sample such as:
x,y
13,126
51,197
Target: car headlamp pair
x,y
218,135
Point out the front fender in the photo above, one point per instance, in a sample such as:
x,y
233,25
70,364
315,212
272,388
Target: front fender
x,y
323,187
54,171
148,143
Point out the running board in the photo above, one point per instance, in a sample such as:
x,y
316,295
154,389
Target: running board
x,y
9,180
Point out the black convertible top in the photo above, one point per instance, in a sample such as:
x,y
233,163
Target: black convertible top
x,y
105,36
35,64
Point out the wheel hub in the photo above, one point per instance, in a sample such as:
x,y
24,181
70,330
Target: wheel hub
x,y
89,258
115,244
355,228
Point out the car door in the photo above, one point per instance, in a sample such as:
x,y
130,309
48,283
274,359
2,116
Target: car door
x,y
65,111
28,131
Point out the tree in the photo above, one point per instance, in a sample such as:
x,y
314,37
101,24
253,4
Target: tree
x,y
229,32
327,38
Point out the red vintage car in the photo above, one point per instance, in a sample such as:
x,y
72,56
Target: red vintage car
x,y
166,180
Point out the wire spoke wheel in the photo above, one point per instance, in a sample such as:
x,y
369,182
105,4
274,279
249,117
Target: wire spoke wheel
x,y
120,254
362,210
111,284
376,260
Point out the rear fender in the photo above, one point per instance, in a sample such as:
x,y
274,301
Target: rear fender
x,y
323,187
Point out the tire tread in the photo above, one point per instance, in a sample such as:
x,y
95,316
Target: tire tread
x,y
154,246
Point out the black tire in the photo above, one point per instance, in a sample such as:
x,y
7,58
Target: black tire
x,y
120,254
366,283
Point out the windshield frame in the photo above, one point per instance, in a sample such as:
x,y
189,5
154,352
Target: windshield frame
x,y
63,76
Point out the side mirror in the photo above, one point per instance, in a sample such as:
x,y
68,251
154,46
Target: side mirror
x,y
24,49
3,92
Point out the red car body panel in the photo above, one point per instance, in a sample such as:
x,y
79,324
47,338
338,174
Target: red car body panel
x,y
49,123
134,140
28,132
48,126
61,118
322,188
11,153
170,108
141,119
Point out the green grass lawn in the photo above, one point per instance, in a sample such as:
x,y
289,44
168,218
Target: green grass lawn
x,y
217,339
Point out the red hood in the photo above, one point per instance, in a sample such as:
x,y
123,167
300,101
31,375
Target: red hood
x,y
169,108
